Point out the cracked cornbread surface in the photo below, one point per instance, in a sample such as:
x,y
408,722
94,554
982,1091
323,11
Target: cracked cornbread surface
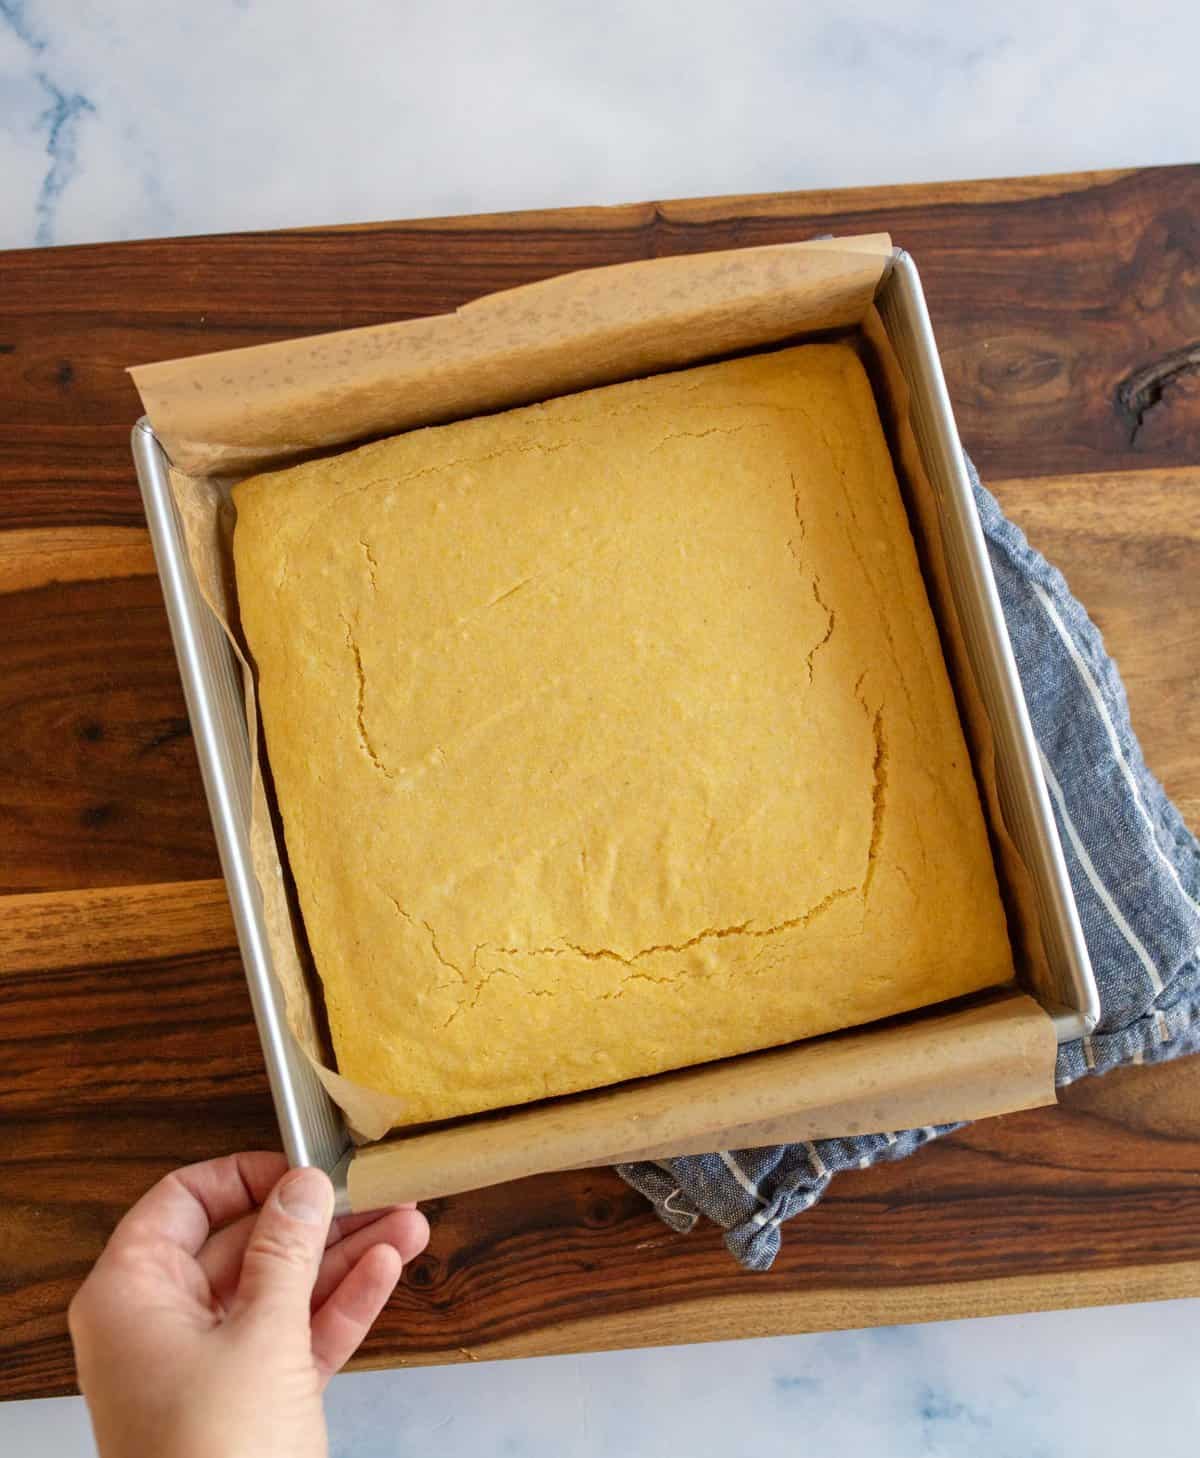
x,y
613,734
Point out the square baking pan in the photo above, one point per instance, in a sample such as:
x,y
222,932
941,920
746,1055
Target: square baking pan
x,y
312,1126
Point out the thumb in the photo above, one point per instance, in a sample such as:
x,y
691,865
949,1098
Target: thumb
x,y
283,1253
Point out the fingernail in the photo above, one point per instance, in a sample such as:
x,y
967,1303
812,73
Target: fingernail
x,y
304,1195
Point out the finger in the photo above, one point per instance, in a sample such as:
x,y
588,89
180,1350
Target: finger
x,y
221,1257
283,1251
405,1230
185,1205
346,1317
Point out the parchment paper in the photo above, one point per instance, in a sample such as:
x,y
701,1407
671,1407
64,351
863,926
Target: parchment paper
x,y
928,1067
225,415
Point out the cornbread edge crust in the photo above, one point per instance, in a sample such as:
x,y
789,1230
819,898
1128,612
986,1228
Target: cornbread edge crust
x,y
613,735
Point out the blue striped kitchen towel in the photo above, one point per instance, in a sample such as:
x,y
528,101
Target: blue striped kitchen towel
x,y
1135,870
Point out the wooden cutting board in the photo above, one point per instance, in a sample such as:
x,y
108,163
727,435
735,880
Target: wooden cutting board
x,y
1068,314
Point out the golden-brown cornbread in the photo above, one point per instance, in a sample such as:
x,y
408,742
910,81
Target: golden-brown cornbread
x,y
613,734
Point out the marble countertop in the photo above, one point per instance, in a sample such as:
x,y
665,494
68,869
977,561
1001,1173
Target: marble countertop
x,y
1093,1383
135,118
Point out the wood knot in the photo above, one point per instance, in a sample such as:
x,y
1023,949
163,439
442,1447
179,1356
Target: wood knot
x,y
600,1212
1150,386
423,1272
1028,369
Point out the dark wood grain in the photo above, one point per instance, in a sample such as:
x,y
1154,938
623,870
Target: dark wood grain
x,y
1068,311
1049,296
98,775
110,1073
1129,543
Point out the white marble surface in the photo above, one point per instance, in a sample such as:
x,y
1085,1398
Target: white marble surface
x,y
113,125
128,118
1118,1380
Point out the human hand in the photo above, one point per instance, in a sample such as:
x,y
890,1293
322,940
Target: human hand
x,y
208,1328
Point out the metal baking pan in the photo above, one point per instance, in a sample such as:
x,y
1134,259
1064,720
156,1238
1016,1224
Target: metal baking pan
x,y
1070,996
311,1124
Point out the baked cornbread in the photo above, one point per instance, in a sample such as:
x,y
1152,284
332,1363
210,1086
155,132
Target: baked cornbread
x,y
613,734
